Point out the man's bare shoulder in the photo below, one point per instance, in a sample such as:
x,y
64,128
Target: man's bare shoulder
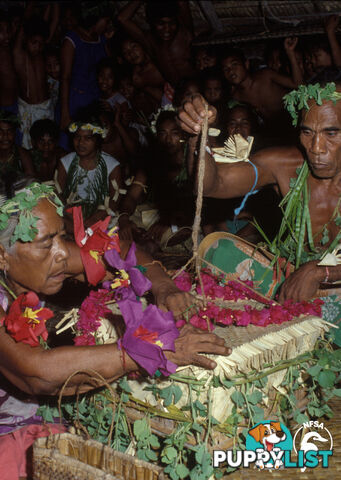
x,y
288,155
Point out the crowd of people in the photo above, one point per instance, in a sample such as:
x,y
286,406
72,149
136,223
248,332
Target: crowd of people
x,y
107,117
66,66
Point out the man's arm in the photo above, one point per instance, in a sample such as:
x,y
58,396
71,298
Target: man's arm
x,y
125,17
331,25
223,180
185,15
67,57
296,78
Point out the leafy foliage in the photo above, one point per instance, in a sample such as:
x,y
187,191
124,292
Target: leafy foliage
x,y
24,202
298,99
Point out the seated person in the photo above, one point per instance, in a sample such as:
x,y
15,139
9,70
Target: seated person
x,y
45,153
39,262
213,88
164,179
122,140
89,176
14,161
107,84
320,54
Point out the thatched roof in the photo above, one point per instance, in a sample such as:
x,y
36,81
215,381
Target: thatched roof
x,y
229,21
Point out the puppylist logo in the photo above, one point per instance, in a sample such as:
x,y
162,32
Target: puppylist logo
x,y
269,445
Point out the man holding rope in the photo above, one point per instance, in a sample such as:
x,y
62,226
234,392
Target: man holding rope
x,y
308,179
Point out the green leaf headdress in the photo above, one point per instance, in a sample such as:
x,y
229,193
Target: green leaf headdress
x,y
22,205
298,99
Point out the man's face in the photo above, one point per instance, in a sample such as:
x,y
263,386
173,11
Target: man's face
x,y
35,45
166,28
234,70
53,67
321,137
40,265
204,60
169,135
85,143
106,80
7,135
320,59
239,122
133,52
5,34
45,144
213,90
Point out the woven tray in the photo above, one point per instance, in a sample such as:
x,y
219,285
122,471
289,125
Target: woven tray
x,y
70,457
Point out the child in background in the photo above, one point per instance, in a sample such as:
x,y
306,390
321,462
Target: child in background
x,y
205,57
107,83
45,152
214,88
34,102
52,65
8,77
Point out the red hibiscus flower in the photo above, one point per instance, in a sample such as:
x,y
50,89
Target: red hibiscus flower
x,y
25,321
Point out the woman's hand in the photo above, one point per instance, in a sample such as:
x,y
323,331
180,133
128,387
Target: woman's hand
x,y
191,342
192,113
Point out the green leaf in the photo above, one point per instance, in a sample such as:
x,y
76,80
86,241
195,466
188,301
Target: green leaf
x,y
337,392
182,470
326,378
170,453
315,370
300,418
125,385
151,455
141,428
154,441
197,427
238,398
255,397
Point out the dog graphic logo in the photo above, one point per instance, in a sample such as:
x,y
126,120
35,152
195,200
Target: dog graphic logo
x,y
269,437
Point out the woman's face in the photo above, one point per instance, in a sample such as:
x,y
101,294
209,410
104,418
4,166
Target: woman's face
x,y
40,265
239,122
85,143
127,88
45,144
133,52
7,135
169,135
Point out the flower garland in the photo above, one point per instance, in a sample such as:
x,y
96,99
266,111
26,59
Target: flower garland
x,y
94,129
217,288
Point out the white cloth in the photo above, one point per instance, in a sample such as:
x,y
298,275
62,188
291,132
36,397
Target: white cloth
x,y
29,113
82,190
117,98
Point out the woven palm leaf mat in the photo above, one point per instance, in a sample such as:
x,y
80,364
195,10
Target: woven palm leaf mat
x,y
333,472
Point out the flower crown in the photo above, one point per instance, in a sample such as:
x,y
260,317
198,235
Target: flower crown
x,y
24,202
167,108
94,129
298,99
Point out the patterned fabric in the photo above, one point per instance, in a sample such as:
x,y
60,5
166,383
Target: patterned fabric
x,y
29,113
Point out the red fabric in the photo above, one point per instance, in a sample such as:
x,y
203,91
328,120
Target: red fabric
x,y
14,447
98,242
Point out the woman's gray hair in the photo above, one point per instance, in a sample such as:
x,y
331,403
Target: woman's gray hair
x,y
6,234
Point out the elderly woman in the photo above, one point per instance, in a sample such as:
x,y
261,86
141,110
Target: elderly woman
x,y
88,176
35,256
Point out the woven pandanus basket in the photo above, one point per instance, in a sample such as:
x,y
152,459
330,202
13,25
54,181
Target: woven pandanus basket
x,y
252,347
71,457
